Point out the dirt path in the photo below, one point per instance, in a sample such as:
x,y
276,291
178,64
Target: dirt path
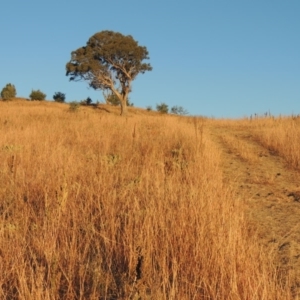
x,y
271,191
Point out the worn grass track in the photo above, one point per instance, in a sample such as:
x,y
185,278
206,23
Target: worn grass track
x,y
271,189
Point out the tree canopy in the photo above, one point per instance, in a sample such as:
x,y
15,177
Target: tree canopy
x,y
109,61
162,108
59,97
179,110
37,95
8,92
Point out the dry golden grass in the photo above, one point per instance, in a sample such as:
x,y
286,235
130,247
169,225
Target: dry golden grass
x,y
95,206
240,148
279,135
269,183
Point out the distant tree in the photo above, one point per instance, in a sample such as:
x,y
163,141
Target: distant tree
x,y
8,92
149,108
162,108
89,101
37,95
179,110
59,97
109,61
86,101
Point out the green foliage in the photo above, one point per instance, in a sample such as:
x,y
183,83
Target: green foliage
x,y
87,101
162,108
179,110
8,92
59,97
109,61
37,95
112,99
74,106
149,108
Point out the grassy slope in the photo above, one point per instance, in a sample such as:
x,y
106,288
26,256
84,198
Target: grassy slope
x,y
95,206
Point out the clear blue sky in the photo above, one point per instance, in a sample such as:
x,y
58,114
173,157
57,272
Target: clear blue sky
x,y
213,57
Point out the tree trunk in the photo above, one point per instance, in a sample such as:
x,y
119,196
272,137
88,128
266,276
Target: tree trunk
x,y
123,107
123,100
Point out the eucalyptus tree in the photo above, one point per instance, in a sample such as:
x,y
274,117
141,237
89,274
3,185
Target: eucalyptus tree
x,y
110,61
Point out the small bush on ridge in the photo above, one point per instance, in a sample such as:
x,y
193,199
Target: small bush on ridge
x,y
37,95
112,99
162,108
59,97
87,101
8,92
179,110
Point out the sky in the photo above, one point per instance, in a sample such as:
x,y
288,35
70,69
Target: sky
x,y
215,58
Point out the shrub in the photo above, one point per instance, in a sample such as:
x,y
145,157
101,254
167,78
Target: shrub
x,y
149,108
37,95
179,110
87,101
74,106
162,108
112,99
8,92
59,97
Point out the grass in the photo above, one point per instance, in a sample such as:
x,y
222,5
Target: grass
x,y
94,206
281,136
240,148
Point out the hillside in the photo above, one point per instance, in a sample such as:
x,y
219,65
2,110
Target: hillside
x,y
101,107
97,206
